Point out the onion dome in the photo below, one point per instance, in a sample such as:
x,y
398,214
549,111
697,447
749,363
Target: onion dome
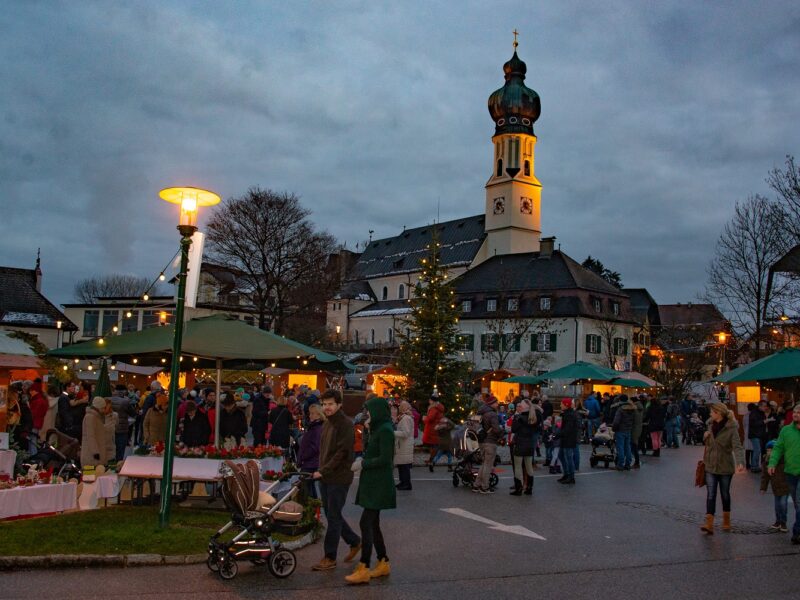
x,y
514,107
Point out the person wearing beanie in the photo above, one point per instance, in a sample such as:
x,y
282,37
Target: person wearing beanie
x,y
155,421
723,455
489,436
196,428
93,443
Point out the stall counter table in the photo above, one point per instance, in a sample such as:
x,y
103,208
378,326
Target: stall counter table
x,y
34,500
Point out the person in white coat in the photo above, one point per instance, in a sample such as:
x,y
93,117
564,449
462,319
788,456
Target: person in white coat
x,y
404,444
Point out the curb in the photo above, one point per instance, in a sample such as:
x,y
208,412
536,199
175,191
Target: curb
x,y
8,563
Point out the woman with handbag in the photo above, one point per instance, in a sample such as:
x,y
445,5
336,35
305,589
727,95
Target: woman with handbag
x,y
723,456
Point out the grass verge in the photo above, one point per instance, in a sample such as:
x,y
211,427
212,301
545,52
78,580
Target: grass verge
x,y
113,530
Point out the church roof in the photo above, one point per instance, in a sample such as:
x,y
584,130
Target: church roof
x,y
460,241
532,271
384,308
355,290
22,305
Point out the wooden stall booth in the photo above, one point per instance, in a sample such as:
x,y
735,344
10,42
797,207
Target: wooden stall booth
x,y
385,379
492,382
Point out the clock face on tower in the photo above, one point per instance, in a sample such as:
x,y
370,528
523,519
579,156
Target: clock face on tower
x,y
526,206
499,205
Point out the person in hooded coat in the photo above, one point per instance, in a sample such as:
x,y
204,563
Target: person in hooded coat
x,y
94,450
376,491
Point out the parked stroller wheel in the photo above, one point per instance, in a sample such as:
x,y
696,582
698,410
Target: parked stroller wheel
x,y
456,480
282,563
493,480
212,562
228,568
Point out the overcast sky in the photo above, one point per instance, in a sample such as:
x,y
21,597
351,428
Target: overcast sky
x,y
656,118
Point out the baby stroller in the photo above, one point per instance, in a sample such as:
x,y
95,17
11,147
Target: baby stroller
x,y
59,452
696,429
469,458
257,516
603,447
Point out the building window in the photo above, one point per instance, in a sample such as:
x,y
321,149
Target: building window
x,y
597,305
130,323
499,167
491,305
615,308
385,294
110,318
544,342
489,342
408,333
527,168
466,342
390,335
401,292
372,335
513,304
466,306
511,342
355,335
620,347
150,318
544,303
593,344
91,319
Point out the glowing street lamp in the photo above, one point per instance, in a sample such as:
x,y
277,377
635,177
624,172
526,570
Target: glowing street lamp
x,y
189,199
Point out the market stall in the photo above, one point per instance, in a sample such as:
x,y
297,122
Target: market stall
x,y
36,500
385,379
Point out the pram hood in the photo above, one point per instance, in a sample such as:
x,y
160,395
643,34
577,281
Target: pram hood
x,y
240,485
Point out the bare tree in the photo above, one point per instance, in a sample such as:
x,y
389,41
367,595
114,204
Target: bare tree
x,y
506,333
609,332
750,243
532,362
88,290
684,355
786,184
268,237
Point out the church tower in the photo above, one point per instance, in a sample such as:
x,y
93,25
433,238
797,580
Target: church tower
x,y
513,194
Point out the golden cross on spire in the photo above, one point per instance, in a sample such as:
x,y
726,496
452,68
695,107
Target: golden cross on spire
x,y
516,33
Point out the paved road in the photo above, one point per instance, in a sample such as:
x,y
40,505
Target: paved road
x,y
632,534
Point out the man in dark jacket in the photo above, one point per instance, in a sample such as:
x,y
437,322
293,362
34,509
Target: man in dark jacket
x,y
64,416
196,428
490,434
623,426
125,409
232,422
335,476
258,421
569,440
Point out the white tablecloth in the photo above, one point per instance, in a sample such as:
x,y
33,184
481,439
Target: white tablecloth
x,y
37,500
195,469
7,460
105,486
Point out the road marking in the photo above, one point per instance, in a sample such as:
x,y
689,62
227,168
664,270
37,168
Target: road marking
x,y
510,477
515,529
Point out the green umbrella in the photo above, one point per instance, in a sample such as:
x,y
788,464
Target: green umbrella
x,y
207,339
526,379
580,371
629,383
782,364
103,388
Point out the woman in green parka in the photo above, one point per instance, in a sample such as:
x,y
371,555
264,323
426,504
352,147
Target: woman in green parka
x,y
376,490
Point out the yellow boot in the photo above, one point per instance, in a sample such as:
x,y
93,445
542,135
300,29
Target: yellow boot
x,y
382,569
726,521
360,575
708,526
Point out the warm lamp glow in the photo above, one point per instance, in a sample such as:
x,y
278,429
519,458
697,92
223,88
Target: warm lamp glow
x,y
189,199
722,337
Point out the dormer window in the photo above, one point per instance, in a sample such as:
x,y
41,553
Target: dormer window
x,y
545,302
615,308
597,305
513,304
466,306
491,305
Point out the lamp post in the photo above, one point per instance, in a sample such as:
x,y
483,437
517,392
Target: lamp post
x,y
723,338
189,199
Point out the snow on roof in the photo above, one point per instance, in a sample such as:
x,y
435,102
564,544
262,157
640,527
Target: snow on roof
x,y
26,317
382,312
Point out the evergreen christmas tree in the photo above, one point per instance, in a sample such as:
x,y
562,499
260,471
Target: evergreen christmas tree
x,y
429,349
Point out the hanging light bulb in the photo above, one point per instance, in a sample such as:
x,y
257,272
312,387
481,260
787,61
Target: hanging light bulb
x,y
145,297
115,329
77,361
90,367
101,341
163,360
135,360
128,315
65,367
162,277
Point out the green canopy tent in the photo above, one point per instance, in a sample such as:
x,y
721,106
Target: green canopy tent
x,y
629,383
212,342
526,379
784,363
581,371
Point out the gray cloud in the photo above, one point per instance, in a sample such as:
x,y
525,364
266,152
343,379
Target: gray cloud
x,y
656,118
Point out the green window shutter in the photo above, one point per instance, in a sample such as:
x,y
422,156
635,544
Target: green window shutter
x,y
553,338
625,347
588,342
599,344
483,342
534,342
